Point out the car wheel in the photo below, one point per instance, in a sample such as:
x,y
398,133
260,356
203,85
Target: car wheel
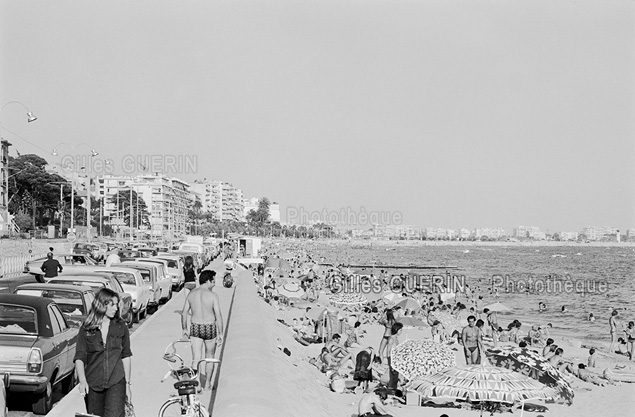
x,y
169,295
44,402
136,317
40,278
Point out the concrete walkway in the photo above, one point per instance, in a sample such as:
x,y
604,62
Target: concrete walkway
x,y
148,344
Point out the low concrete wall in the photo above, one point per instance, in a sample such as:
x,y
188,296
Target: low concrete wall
x,y
247,381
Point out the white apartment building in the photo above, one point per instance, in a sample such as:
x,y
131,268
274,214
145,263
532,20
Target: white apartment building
x,y
529,231
220,198
168,202
490,232
600,233
568,235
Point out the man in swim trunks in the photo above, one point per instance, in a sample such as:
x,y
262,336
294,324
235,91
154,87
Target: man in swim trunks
x,y
206,329
472,342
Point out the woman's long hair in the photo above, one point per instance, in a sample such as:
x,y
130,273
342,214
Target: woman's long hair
x,y
99,307
390,316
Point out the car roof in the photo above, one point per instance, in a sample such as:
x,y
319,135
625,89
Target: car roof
x,y
107,269
40,304
82,277
48,286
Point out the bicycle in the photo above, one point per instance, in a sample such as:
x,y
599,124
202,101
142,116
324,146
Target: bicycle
x,y
187,403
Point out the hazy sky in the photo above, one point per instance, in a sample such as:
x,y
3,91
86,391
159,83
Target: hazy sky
x,y
451,113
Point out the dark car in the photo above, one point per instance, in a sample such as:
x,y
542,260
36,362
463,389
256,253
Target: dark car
x,y
74,300
98,281
37,347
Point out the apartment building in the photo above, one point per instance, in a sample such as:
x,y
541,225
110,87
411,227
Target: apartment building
x,y
220,198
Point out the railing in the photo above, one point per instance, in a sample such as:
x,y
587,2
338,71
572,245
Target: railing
x,y
14,265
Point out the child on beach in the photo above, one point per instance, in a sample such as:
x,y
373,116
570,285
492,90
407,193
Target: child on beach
x,y
591,360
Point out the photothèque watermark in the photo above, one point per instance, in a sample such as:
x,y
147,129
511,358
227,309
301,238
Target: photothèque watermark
x,y
345,215
550,284
132,164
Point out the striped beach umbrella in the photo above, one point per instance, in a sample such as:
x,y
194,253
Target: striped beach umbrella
x,y
482,383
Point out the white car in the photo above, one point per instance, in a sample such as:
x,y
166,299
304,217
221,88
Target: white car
x,y
133,283
164,278
150,272
175,269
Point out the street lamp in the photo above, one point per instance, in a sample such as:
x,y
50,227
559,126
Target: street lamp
x,y
93,153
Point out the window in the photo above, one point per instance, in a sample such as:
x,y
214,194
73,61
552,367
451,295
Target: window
x,y
56,324
17,319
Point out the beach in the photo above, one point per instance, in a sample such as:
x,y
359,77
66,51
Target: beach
x,y
571,332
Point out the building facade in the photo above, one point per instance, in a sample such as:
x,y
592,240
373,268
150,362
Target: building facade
x,y
220,198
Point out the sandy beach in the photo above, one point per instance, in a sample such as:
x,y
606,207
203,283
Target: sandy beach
x,y
590,400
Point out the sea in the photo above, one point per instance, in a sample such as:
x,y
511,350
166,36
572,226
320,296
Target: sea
x,y
583,279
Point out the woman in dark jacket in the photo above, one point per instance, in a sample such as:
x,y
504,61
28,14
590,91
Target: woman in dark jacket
x,y
102,358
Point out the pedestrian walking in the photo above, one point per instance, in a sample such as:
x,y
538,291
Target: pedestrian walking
x,y
102,357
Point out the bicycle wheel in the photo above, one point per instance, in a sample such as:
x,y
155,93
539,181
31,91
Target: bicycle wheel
x,y
174,408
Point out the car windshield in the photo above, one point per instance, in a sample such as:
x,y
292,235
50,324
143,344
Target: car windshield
x,y
145,275
17,320
125,278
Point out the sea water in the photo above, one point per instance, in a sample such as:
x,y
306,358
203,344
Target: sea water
x,y
591,280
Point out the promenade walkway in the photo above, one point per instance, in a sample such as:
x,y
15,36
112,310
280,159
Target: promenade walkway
x,y
148,368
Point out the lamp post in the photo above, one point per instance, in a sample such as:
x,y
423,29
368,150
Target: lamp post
x,y
83,163
4,158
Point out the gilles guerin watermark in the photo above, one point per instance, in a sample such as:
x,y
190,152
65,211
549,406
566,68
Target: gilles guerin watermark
x,y
458,284
132,164
550,284
436,283
345,215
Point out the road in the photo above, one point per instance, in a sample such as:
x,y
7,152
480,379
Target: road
x,y
19,405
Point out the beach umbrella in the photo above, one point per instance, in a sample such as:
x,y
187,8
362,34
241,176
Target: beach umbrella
x,y
391,296
498,307
373,296
347,298
291,289
533,365
482,383
278,263
408,303
411,322
417,358
449,322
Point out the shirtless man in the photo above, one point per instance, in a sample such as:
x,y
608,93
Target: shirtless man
x,y
371,405
472,342
206,328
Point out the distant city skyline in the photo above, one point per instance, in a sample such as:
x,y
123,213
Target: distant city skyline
x,y
450,114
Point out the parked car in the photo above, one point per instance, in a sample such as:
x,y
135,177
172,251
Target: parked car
x,y
147,252
132,282
162,249
198,248
164,277
150,273
175,269
37,348
129,254
98,281
74,300
69,261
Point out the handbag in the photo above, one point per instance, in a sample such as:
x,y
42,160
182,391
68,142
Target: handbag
x,y
129,409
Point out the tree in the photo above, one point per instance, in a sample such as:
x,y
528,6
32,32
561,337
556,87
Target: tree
x,y
30,189
140,215
260,216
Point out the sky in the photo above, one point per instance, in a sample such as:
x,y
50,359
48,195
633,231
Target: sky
x,y
444,113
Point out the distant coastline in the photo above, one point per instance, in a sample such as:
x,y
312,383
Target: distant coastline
x,y
537,243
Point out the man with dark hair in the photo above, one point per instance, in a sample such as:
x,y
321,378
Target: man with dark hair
x,y
472,341
371,404
206,328
51,266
